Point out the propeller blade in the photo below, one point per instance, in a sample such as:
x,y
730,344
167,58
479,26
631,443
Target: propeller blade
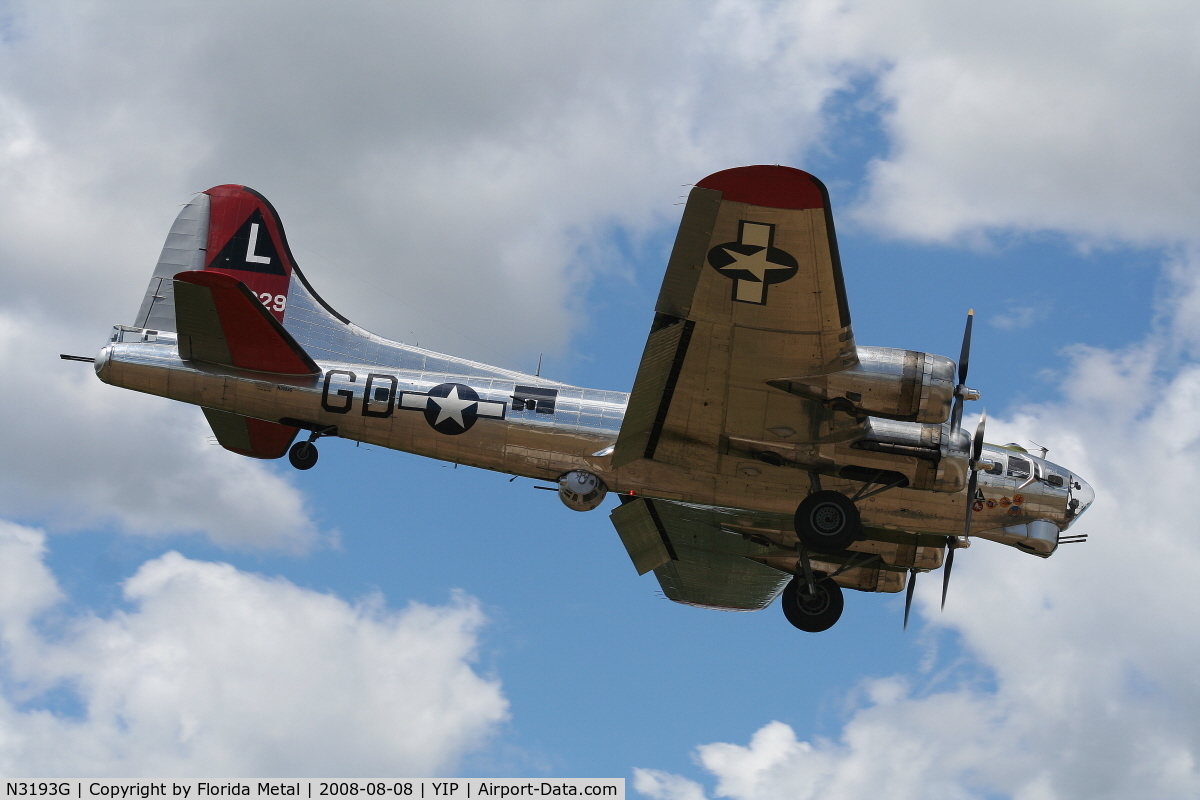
x,y
912,584
964,359
950,547
977,449
965,355
973,463
972,485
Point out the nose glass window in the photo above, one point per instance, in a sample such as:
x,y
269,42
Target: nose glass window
x,y
1081,494
1018,468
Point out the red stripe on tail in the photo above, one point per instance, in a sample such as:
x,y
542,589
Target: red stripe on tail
x,y
246,240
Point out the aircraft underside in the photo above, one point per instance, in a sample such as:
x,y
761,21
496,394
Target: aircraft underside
x,y
761,451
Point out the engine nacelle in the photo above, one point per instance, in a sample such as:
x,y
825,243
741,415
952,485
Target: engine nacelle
x,y
886,382
581,491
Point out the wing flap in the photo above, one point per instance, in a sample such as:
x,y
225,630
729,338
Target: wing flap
x,y
642,534
221,322
653,388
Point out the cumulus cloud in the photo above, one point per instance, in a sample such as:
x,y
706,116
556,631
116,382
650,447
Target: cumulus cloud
x,y
220,674
478,161
80,453
1022,116
475,160
471,159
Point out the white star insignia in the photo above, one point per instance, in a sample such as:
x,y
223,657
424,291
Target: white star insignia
x,y
755,263
451,407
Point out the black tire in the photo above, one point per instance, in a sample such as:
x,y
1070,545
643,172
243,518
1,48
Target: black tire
x,y
827,522
303,455
812,613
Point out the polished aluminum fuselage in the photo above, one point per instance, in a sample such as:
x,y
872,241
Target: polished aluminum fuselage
x,y
577,430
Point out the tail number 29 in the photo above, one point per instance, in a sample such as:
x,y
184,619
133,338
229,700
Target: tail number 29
x,y
273,302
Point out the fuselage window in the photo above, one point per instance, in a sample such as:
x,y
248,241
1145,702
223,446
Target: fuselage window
x,y
997,467
1055,480
1018,468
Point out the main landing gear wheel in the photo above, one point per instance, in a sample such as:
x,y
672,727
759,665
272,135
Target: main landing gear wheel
x,y
827,522
303,455
812,612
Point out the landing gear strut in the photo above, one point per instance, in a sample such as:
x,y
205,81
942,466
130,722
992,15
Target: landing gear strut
x,y
811,601
816,610
303,455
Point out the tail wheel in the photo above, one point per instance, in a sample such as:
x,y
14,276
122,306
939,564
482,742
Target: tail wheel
x,y
303,455
812,611
827,522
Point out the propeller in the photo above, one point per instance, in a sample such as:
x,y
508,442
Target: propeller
x,y
961,394
972,485
951,546
961,391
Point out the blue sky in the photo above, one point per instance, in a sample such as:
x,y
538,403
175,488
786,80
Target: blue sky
x,y
503,185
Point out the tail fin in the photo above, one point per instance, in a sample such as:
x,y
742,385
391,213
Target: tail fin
x,y
229,229
184,250
224,283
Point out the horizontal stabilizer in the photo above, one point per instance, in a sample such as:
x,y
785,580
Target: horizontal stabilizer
x,y
246,436
220,321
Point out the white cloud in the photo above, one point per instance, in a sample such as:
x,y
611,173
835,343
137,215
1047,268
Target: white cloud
x,y
219,674
1020,315
466,158
474,159
81,453
665,786
1020,115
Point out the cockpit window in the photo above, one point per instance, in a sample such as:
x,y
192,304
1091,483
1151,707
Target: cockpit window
x,y
1018,467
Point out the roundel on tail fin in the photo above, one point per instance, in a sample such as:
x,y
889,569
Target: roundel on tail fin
x,y
246,241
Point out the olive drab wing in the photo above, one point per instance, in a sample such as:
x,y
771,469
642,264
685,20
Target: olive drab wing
x,y
753,294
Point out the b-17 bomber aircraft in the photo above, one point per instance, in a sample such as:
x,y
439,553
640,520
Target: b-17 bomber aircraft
x,y
761,451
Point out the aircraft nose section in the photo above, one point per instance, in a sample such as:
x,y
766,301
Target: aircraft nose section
x,y
1081,496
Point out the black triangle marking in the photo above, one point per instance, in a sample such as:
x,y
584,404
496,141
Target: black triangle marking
x,y
233,254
